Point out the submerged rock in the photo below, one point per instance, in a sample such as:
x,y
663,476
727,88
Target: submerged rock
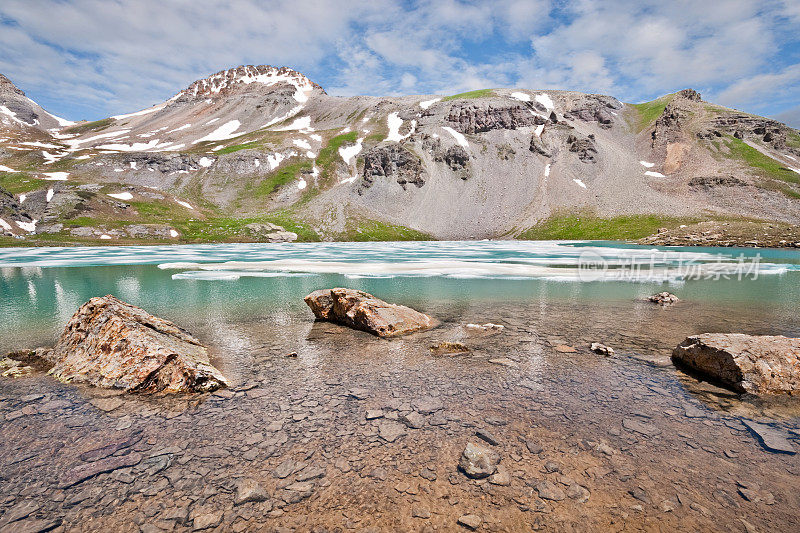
x,y
478,461
360,310
663,298
112,344
746,363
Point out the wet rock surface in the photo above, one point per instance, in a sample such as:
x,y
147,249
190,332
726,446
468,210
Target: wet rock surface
x,y
360,310
109,343
764,364
559,420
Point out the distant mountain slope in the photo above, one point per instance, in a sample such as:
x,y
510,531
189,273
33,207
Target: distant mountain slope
x,y
258,144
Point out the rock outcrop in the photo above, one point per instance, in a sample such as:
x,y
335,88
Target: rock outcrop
x,y
112,344
360,310
470,118
11,213
270,232
391,161
595,108
759,365
585,147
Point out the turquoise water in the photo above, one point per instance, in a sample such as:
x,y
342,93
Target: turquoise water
x,y
40,288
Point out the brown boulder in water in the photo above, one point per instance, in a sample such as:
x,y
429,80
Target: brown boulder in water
x,y
112,344
360,310
760,365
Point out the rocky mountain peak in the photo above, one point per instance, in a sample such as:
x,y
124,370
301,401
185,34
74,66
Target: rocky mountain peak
x,y
251,77
689,94
7,86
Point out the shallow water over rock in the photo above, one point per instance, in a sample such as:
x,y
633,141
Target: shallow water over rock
x,y
358,432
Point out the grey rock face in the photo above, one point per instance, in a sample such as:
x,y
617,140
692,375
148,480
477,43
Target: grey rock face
x,y
585,147
456,157
11,212
595,108
391,161
471,118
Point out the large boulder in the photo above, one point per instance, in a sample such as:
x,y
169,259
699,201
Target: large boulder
x,y
746,363
112,344
360,310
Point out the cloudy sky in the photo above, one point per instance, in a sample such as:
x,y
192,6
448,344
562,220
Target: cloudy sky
x,y
87,59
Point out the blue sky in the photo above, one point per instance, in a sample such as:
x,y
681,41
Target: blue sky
x,y
88,59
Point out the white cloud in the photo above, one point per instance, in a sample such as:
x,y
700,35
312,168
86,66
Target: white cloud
x,y
102,58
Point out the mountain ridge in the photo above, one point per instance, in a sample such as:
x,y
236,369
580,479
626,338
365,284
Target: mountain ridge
x,y
262,144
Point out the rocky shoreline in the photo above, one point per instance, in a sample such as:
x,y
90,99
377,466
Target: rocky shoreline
x,y
505,436
745,234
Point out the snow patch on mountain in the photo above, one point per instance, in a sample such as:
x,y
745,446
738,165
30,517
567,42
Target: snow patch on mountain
x,y
122,196
426,104
546,101
460,139
348,153
224,132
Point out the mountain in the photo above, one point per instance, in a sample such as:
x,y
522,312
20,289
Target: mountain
x,y
254,150
19,112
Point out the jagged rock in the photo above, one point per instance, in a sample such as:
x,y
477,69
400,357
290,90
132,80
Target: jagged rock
x,y
585,147
391,161
11,213
456,157
112,344
746,363
270,232
478,461
472,118
689,94
360,310
663,298
594,108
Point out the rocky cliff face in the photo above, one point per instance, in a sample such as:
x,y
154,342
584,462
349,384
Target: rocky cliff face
x,y
257,142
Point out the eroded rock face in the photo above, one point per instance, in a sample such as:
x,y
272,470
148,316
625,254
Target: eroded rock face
x,y
746,363
585,147
391,161
360,310
595,108
469,118
112,344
